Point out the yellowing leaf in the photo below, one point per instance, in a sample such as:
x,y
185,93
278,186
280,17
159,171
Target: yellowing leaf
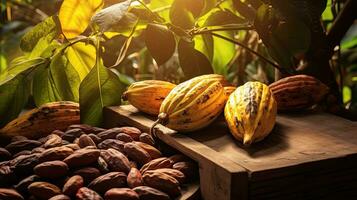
x,y
75,15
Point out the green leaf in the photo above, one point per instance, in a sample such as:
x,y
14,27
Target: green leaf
x,y
100,88
57,82
44,48
82,57
19,66
180,15
204,44
162,6
349,43
192,62
284,37
66,78
111,16
3,63
48,29
125,79
160,42
13,97
44,88
222,51
75,15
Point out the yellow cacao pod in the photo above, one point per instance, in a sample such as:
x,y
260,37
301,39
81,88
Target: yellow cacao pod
x,y
228,90
147,96
41,121
192,104
216,77
250,112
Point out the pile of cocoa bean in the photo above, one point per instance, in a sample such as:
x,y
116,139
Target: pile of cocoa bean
x,y
91,163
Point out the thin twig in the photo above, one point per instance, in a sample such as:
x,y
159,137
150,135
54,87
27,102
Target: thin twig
x,y
207,30
251,51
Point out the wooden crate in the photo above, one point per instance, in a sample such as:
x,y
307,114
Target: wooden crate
x,y
307,156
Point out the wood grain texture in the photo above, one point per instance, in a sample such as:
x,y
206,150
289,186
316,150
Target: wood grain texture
x,y
307,156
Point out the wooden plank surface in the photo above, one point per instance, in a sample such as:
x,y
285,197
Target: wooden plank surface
x,y
305,150
219,177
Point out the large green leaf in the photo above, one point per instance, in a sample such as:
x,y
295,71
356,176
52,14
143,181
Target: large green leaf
x,y
44,88
3,63
13,97
219,51
111,16
284,37
100,88
180,15
192,62
57,82
160,42
66,78
47,30
75,15
82,57
19,66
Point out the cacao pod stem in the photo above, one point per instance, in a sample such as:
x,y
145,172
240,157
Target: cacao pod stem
x,y
124,96
162,118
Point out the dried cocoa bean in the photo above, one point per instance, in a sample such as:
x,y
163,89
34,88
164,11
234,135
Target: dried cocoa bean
x,y
87,194
178,175
109,134
10,194
133,164
153,152
163,182
188,168
124,137
74,147
4,154
121,193
53,140
72,134
146,138
157,163
102,165
95,138
82,157
43,190
43,140
116,160
51,169
72,185
76,141
60,197
88,174
86,128
107,181
132,131
21,145
65,142
112,143
24,183
38,150
58,132
134,178
84,141
7,176
25,152
18,138
136,153
55,153
149,193
22,164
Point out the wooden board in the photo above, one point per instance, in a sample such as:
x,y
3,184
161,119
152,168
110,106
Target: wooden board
x,y
306,156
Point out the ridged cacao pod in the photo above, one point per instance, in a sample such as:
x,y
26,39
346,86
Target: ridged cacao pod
x,y
250,112
148,95
298,92
193,104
